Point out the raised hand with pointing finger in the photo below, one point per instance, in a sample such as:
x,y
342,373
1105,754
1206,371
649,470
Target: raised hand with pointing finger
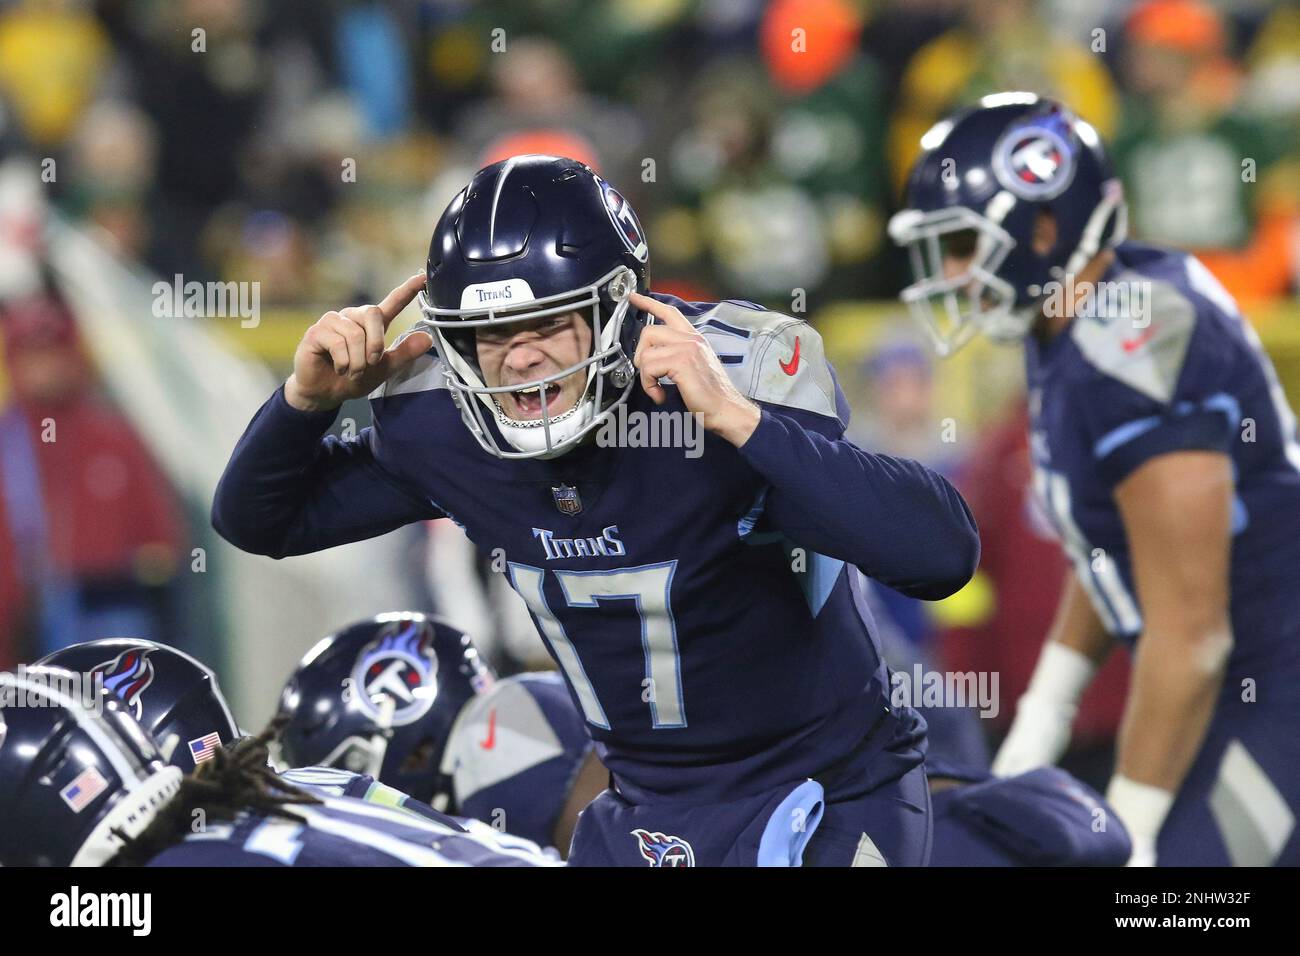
x,y
672,348
342,356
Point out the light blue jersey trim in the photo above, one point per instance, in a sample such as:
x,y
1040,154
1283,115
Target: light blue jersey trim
x,y
451,516
1124,434
792,825
819,577
1220,402
1231,408
745,526
1227,404
818,580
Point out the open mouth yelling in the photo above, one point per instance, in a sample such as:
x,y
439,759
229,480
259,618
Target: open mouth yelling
x,y
528,401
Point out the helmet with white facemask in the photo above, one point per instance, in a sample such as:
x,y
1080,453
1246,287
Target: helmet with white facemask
x,y
975,196
529,238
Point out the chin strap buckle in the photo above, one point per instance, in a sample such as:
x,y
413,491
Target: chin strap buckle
x,y
622,374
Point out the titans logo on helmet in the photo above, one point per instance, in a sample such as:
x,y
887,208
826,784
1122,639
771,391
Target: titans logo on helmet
x,y
1034,162
659,849
127,676
399,664
625,221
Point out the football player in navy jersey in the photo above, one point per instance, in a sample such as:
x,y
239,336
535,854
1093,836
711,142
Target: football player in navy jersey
x,y
86,786
1165,454
520,755
178,702
404,699
697,603
378,697
175,698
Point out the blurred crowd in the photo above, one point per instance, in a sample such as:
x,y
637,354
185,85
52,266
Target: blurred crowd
x,y
310,145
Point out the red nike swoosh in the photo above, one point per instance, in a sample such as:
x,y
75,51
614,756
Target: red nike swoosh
x,y
492,731
1132,345
792,366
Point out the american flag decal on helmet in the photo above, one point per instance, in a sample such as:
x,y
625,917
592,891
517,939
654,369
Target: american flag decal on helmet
x,y
205,747
89,784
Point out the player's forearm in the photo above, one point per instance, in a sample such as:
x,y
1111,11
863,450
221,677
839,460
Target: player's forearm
x,y
1176,681
1076,646
897,520
261,493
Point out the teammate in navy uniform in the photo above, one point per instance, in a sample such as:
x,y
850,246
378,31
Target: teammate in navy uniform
x,y
405,699
86,786
1043,817
1165,454
378,697
175,698
519,757
178,702
695,598
520,754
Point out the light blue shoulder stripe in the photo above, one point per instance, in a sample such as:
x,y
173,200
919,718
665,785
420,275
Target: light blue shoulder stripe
x,y
1124,434
1221,402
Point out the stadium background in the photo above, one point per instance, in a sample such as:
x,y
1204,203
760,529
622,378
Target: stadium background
x,y
304,148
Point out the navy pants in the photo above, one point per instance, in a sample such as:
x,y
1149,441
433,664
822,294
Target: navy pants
x,y
878,813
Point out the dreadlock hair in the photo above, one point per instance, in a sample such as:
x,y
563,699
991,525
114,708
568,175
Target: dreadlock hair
x,y
236,780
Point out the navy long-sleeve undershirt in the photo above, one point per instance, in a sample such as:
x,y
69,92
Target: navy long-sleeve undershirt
x,y
897,520
291,489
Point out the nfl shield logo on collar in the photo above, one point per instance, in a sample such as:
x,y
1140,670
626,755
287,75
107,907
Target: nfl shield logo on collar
x,y
567,500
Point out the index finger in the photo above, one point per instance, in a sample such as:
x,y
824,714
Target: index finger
x,y
400,298
667,314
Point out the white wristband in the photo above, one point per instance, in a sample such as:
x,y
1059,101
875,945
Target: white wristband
x,y
1142,808
1061,675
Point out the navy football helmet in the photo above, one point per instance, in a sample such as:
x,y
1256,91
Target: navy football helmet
x,y
380,697
976,193
174,697
529,237
78,772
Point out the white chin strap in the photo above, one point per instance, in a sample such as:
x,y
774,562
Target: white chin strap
x,y
1008,326
135,810
530,436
